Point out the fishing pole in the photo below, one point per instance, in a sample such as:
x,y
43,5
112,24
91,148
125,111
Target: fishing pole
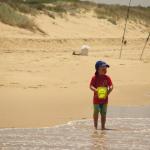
x,y
145,46
123,37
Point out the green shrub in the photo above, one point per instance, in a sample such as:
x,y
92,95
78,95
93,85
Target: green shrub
x,y
57,8
116,12
113,21
48,1
24,8
9,16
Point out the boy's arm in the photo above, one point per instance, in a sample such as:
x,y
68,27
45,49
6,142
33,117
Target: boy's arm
x,y
110,89
92,84
93,88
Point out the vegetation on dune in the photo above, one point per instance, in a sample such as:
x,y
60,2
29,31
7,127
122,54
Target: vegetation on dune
x,y
13,12
115,13
9,16
49,1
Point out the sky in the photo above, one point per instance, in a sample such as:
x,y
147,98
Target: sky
x,y
124,2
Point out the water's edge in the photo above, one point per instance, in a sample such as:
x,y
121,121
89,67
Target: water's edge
x,y
130,129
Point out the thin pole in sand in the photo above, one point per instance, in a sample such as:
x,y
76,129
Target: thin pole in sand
x,y
125,29
144,46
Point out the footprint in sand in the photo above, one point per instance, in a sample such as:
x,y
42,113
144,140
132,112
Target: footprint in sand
x,y
2,85
29,71
122,64
18,70
46,57
73,82
8,51
107,56
146,61
14,83
64,87
83,118
40,85
35,87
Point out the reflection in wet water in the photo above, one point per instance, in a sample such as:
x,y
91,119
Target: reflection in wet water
x,y
130,133
123,134
98,140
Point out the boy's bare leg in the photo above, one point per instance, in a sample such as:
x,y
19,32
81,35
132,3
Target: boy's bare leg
x,y
103,121
95,119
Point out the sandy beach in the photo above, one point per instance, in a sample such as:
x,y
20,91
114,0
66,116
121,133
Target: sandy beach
x,y
48,88
43,84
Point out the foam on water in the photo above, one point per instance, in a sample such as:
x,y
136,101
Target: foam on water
x,y
123,134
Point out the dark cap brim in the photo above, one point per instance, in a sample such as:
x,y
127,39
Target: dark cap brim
x,y
105,65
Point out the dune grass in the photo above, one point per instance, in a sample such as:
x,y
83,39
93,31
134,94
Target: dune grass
x,y
114,13
12,12
21,7
49,1
9,16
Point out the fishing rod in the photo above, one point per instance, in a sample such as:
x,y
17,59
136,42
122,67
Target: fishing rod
x,y
123,37
145,46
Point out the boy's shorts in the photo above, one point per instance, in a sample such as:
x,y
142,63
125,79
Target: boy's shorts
x,y
102,108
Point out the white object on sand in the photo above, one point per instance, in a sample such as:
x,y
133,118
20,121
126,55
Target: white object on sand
x,y
84,50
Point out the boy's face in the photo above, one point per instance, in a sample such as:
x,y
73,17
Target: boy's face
x,y
102,70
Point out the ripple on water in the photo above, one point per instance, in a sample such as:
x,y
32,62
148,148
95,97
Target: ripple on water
x,y
123,134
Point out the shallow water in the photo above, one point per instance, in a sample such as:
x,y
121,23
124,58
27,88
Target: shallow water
x,y
124,133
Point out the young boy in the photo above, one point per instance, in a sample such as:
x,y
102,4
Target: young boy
x,y
102,86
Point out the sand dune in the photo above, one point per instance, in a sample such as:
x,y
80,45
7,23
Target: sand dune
x,y
82,26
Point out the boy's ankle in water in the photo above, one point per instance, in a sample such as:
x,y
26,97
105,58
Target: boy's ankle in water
x,y
103,128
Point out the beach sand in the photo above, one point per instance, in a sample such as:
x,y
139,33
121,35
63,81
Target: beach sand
x,y
43,84
44,89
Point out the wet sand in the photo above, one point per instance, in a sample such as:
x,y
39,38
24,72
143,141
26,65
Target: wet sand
x,y
130,132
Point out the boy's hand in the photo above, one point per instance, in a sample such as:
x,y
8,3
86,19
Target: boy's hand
x,y
96,90
93,89
110,90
